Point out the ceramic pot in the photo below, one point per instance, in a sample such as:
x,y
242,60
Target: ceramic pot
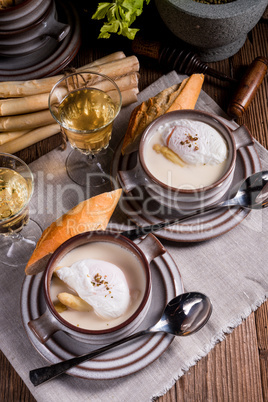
x,y
185,199
30,38
50,322
22,15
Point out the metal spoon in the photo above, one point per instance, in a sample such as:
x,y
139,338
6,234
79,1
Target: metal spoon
x,y
183,315
252,194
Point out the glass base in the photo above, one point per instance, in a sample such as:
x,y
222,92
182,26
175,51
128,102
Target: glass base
x,y
90,170
17,248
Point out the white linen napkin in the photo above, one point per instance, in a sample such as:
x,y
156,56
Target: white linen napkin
x,y
230,267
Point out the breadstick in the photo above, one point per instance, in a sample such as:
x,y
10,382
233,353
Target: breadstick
x,y
112,69
27,104
74,302
12,142
10,136
118,68
26,121
106,59
44,85
33,103
30,138
123,83
129,96
36,119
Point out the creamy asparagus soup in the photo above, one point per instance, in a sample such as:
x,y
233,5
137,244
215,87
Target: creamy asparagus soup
x,y
186,154
107,281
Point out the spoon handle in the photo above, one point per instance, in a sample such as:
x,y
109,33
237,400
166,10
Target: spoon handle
x,y
43,374
140,231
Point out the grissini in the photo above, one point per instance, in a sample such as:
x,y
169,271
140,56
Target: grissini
x,y
34,103
29,138
26,121
113,69
12,142
176,97
89,215
10,136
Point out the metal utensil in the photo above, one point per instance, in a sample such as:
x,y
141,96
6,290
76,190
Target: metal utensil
x,y
183,315
252,194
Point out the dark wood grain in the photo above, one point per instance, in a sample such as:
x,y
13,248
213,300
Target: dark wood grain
x,y
237,368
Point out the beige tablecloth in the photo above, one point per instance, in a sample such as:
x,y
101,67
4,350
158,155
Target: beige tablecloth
x,y
229,267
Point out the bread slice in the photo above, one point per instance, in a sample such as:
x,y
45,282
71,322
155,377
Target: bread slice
x,y
176,97
89,215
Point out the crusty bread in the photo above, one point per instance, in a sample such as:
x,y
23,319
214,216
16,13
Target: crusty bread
x,y
176,97
89,215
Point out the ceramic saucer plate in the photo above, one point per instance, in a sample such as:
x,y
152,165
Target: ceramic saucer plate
x,y
50,58
122,361
143,210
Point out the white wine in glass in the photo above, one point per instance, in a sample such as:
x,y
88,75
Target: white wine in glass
x,y
14,193
16,188
85,105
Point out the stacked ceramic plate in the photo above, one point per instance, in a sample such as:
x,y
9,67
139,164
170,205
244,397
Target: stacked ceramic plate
x,y
37,38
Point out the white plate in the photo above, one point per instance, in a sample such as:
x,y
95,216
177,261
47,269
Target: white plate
x,y
142,210
128,358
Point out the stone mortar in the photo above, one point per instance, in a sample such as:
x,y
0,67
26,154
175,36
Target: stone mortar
x,y
215,32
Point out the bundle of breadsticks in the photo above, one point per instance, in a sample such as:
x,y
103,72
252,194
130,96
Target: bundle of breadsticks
x,y
24,114
183,95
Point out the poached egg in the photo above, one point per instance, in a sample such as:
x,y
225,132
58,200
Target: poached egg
x,y
100,283
195,142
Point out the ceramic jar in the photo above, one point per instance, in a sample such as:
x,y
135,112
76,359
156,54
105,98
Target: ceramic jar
x,y
51,321
185,199
27,27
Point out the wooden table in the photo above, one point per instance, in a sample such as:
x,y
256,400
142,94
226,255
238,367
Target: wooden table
x,y
237,368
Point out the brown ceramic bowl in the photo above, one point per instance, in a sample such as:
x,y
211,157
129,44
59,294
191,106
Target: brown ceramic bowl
x,y
51,321
184,198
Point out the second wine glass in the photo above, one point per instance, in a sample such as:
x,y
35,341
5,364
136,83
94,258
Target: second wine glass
x,y
85,104
18,233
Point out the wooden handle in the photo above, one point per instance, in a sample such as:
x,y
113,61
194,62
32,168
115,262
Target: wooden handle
x,y
248,87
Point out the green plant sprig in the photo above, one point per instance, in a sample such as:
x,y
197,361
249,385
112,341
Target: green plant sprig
x,y
120,15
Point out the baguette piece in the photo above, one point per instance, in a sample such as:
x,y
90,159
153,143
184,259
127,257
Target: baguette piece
x,y
177,97
89,215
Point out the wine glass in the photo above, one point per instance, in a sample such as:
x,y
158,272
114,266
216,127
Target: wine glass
x,y
85,104
16,189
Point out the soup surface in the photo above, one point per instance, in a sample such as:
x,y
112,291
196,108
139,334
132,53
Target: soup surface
x,y
131,270
201,151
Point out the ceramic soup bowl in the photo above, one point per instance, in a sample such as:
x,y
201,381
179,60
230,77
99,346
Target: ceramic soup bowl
x,y
23,14
46,29
157,174
133,260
